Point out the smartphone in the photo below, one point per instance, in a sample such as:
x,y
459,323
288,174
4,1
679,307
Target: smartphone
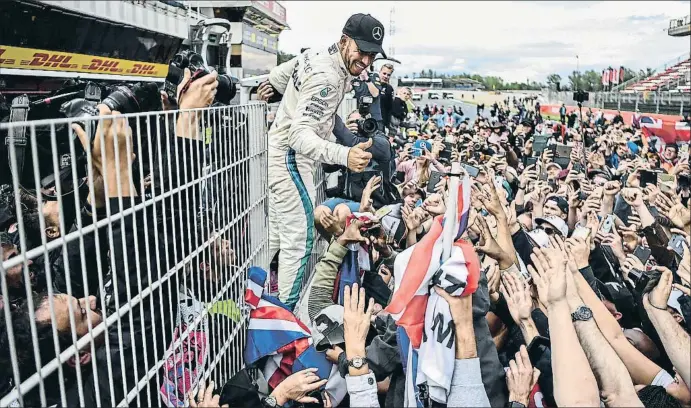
x,y
642,253
608,224
543,176
530,161
434,178
553,185
539,144
319,396
677,243
537,347
471,170
666,188
648,177
577,167
418,203
640,279
400,176
581,232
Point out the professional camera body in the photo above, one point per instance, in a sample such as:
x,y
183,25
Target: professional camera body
x,y
207,52
366,125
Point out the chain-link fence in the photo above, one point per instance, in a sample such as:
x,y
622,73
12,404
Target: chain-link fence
x,y
124,262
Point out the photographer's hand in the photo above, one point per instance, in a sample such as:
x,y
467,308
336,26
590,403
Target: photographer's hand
x,y
113,142
265,91
200,93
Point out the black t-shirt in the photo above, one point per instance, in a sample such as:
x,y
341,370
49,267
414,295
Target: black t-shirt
x,y
361,89
386,96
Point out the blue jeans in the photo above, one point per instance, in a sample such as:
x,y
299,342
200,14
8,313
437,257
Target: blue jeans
x,y
331,203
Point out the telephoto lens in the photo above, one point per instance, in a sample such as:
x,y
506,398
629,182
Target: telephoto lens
x,y
227,88
142,97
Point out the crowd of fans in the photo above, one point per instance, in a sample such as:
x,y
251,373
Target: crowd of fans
x,y
580,230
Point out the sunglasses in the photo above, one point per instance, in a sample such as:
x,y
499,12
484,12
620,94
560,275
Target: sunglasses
x,y
548,230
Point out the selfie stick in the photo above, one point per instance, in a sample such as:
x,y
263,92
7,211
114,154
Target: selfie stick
x,y
451,224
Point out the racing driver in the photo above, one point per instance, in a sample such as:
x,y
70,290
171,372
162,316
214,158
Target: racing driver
x,y
312,85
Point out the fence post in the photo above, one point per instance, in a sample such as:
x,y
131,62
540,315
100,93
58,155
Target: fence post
x,y
618,101
657,101
636,104
681,107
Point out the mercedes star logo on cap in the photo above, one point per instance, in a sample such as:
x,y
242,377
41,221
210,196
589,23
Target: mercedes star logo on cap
x,y
376,33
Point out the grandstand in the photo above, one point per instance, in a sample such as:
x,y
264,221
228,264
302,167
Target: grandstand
x,y
675,78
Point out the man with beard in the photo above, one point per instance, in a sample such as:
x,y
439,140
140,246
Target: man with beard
x,y
313,86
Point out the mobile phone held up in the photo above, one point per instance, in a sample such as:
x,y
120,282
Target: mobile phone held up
x,y
434,179
608,224
677,243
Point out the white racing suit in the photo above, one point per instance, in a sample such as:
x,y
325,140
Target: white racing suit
x,y
313,85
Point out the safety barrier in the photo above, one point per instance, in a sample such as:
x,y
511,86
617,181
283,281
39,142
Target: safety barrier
x,y
162,248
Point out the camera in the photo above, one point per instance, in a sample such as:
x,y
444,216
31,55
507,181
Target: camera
x,y
366,123
227,85
581,96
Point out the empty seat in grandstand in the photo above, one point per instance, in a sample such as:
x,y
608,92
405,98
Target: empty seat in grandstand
x,y
674,77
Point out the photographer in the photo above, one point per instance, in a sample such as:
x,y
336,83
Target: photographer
x,y
352,184
369,85
387,93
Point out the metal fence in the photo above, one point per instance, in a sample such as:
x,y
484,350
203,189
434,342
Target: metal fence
x,y
122,285
664,102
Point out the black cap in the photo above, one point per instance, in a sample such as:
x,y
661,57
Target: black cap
x,y
367,32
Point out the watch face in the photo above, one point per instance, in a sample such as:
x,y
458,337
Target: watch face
x,y
358,362
270,401
583,313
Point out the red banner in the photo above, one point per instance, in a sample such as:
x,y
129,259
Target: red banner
x,y
668,128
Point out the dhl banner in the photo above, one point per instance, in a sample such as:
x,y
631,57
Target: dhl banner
x,y
26,58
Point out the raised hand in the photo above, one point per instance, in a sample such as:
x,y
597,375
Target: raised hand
x,y
549,275
517,295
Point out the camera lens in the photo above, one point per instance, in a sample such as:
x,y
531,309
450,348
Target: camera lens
x,y
226,89
122,100
369,126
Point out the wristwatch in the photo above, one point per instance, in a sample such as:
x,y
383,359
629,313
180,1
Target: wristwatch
x,y
270,402
582,313
357,362
515,404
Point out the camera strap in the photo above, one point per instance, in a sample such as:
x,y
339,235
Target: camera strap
x,y
16,138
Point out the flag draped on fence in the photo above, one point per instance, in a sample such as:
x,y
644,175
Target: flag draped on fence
x,y
425,316
276,333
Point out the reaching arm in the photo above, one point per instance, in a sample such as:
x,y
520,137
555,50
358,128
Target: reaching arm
x,y
569,362
317,104
615,384
373,90
640,368
280,75
675,340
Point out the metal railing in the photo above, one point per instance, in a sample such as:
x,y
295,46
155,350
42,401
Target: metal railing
x,y
664,102
123,285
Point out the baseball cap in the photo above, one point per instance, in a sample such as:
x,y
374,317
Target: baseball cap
x,y
555,222
553,164
328,328
561,203
419,146
367,32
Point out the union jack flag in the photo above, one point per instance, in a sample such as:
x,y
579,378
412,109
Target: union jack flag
x,y
417,309
276,333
